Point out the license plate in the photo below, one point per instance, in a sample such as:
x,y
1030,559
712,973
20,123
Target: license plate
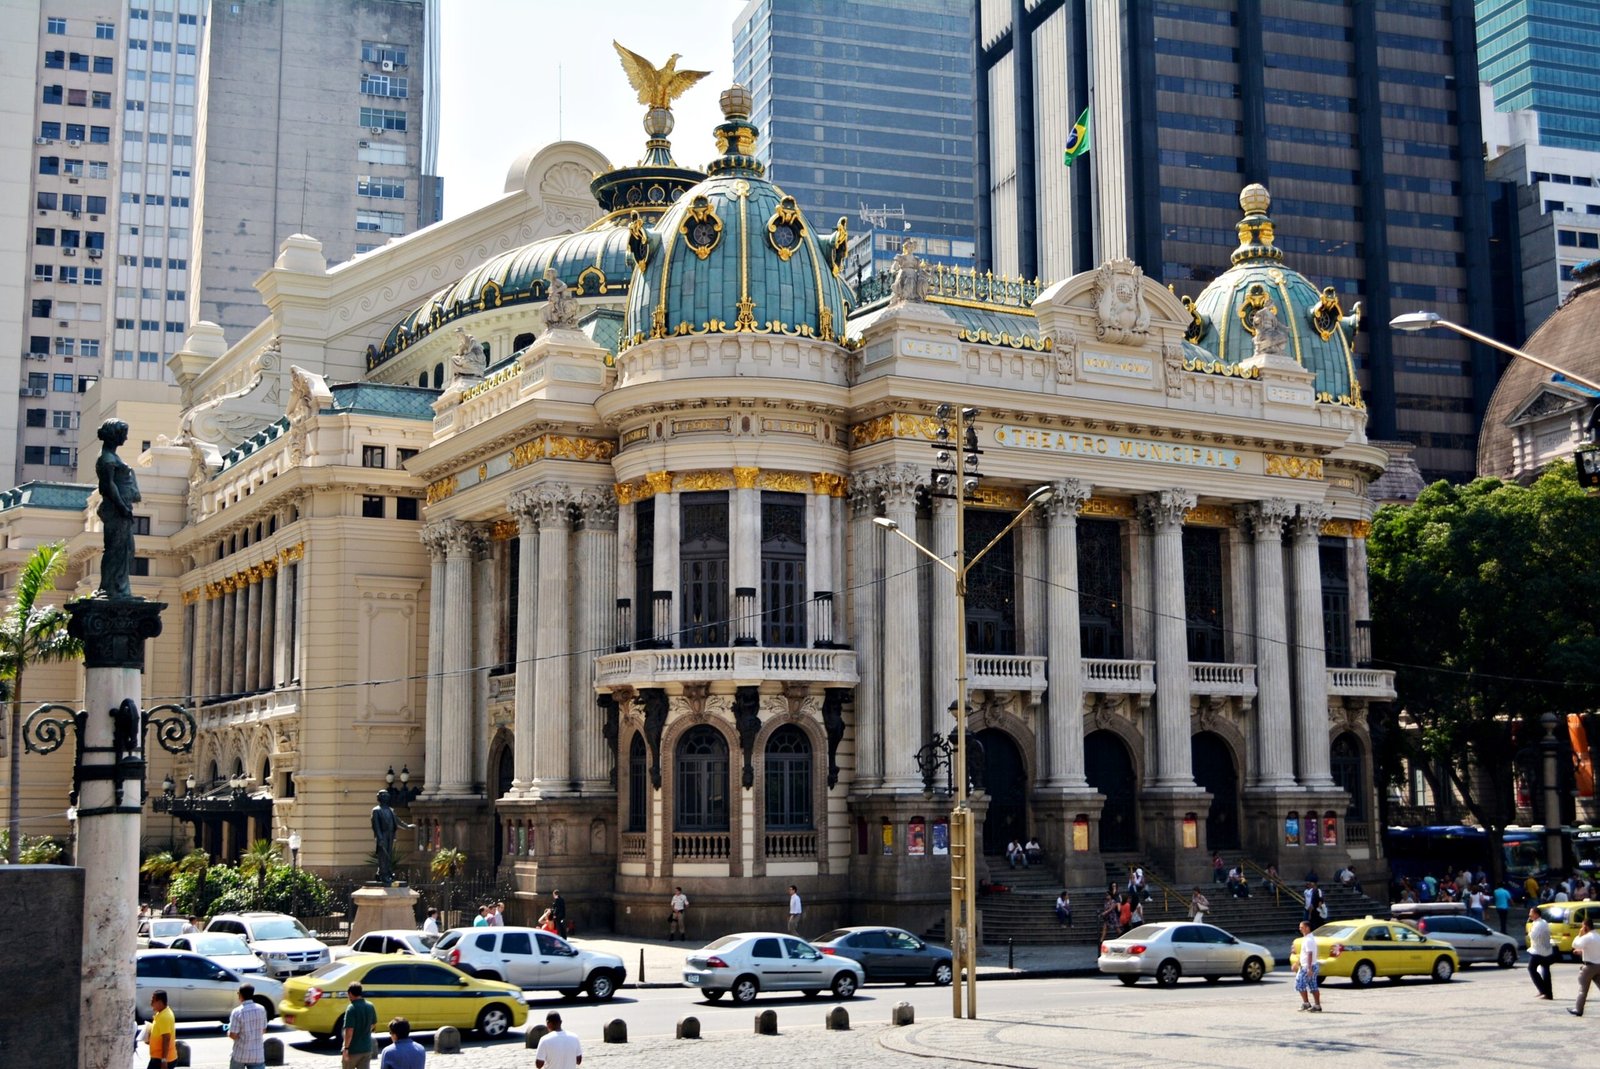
x,y
288,1018
692,978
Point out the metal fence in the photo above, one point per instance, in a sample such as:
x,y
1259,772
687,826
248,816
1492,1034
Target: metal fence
x,y
457,901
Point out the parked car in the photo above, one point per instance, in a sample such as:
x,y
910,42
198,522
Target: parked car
x,y
277,939
1171,950
430,994
532,958
159,931
198,989
1565,918
749,963
1474,940
1368,948
888,954
389,941
226,949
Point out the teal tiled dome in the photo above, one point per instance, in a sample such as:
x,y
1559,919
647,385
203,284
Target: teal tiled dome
x,y
1321,334
735,254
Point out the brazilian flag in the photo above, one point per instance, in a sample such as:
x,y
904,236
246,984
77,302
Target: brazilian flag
x,y
1078,140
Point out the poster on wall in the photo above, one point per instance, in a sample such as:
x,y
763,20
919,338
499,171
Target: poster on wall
x,y
1309,832
888,839
1291,830
917,837
1191,832
941,837
1330,830
1080,834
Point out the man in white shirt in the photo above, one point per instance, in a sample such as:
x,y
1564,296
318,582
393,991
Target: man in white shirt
x,y
557,1049
680,903
1540,953
497,915
794,910
431,925
1305,973
1588,945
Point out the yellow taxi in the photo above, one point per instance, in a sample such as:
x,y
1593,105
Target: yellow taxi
x,y
1564,919
1364,949
430,994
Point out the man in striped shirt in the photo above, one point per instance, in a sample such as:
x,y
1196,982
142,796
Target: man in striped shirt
x,y
246,1026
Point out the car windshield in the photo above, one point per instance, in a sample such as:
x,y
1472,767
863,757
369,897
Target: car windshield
x,y
1556,913
218,944
164,928
1144,931
332,971
279,928
837,933
1334,931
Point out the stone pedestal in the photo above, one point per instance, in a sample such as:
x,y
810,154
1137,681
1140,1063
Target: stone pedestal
x,y
891,884
568,844
1072,854
1175,833
1267,829
378,908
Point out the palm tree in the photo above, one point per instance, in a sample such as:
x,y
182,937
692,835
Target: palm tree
x,y
158,868
198,863
260,860
446,865
31,632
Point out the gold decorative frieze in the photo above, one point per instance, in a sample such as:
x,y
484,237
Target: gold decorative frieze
x,y
565,448
658,482
525,453
191,596
1292,467
707,423
1208,516
893,425
638,434
439,491
1005,338
702,480
1347,528
827,484
229,584
788,426
628,493
789,482
745,478
505,374
269,568
504,530
1120,508
292,553
998,497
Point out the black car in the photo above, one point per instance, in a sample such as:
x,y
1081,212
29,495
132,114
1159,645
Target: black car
x,y
888,954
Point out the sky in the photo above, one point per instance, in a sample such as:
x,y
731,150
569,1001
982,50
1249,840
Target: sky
x,y
516,75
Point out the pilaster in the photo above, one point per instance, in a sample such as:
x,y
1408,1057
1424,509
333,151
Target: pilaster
x,y
433,538
1064,704
522,507
595,543
462,542
902,635
1273,719
1163,514
1310,660
866,616
551,716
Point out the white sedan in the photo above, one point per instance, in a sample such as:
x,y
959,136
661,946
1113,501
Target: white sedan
x,y
751,962
389,941
1171,950
198,989
229,951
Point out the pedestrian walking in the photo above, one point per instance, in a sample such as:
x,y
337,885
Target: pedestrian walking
x,y
403,1052
1198,905
1305,972
1502,905
360,1017
1109,917
558,907
1540,953
680,904
430,926
1588,945
558,1049
795,910
497,915
163,1033
247,1026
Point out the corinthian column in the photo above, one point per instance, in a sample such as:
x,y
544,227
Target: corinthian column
x,y
942,611
523,508
1163,514
433,733
462,543
268,679
552,726
1310,662
595,544
1064,653
225,673
1274,729
866,573
902,634
252,631
241,633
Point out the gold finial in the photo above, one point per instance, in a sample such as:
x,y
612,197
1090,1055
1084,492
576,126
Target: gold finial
x,y
736,102
1254,199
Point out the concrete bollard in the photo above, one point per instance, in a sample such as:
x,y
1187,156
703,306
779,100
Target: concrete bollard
x,y
272,1049
530,1038
838,1020
767,1023
902,1014
616,1031
689,1028
447,1040
183,1055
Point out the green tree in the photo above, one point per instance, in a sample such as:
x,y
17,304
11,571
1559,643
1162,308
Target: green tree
x,y
159,868
29,633
1483,602
447,865
259,861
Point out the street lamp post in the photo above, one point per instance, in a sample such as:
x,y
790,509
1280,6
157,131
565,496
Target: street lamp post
x,y
951,479
294,849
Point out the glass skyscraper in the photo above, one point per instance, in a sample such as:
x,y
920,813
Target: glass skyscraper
x,y
864,104
1545,55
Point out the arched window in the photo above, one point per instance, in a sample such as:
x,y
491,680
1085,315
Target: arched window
x,y
438,376
637,787
1345,760
702,781
521,342
788,764
422,379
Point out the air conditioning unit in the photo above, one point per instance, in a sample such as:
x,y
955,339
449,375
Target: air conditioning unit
x,y
69,252
359,144
41,141
76,214
95,254
94,218
62,323
387,64
32,391
75,143
375,131
72,181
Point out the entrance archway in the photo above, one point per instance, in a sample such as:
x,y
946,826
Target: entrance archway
x,y
1345,761
1005,779
1214,771
1109,768
504,773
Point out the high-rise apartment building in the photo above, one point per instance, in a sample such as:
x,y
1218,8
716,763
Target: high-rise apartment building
x,y
318,118
19,37
864,104
1362,118
1541,55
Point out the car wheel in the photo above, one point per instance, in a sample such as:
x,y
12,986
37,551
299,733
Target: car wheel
x,y
1167,973
1362,974
494,1021
1213,979
1507,958
266,1004
943,974
490,974
1443,970
844,985
745,990
327,1037
602,986
712,993
1253,970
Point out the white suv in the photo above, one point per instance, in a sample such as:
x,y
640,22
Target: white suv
x,y
532,958
277,939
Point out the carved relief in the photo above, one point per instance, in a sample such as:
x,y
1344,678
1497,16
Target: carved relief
x,y
1119,303
1067,500
747,719
1066,348
900,484
597,509
1165,508
1309,519
1172,358
1266,518
833,723
655,720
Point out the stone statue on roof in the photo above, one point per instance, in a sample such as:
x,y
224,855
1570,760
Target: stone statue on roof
x,y
560,306
1272,337
910,279
469,357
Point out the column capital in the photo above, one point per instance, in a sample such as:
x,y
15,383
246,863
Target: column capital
x,y
1067,500
1165,508
865,492
461,538
597,508
900,484
434,537
549,504
1265,518
1309,519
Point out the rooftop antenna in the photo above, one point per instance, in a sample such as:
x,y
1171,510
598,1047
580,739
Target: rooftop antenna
x,y
305,180
879,217
560,106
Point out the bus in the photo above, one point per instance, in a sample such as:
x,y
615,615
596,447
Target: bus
x,y
1436,849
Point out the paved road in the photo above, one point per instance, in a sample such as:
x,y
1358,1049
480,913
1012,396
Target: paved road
x,y
1487,1017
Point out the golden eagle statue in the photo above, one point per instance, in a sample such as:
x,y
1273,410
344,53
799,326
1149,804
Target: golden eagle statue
x,y
658,86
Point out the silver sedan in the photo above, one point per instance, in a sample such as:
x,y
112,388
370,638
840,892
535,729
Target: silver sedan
x,y
1172,950
1474,940
751,962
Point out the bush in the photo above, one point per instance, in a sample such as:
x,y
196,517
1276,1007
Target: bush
x,y
225,889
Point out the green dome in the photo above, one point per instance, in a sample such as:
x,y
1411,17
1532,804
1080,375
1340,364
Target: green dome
x,y
735,254
1321,335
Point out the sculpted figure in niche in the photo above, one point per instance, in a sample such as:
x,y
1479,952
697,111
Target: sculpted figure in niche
x,y
1119,302
1272,337
910,281
119,492
469,358
560,306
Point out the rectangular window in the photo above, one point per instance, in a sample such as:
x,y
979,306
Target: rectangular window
x,y
105,31
45,202
72,202
54,25
72,167
102,169
372,506
50,131
383,188
96,205
69,275
104,65
61,456
97,99
89,346
383,119
384,85
49,164
63,420
56,60
44,235
380,222
35,417
52,94
380,53
378,152
644,572
141,525
99,135
405,508
783,569
70,239
61,383
703,570
38,380
43,273
141,566
33,454
75,131
42,307
77,98
65,347
78,61
373,456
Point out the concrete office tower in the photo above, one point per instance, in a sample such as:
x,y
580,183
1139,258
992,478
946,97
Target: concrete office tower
x,y
866,104
317,117
19,36
1363,118
1542,56
75,60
